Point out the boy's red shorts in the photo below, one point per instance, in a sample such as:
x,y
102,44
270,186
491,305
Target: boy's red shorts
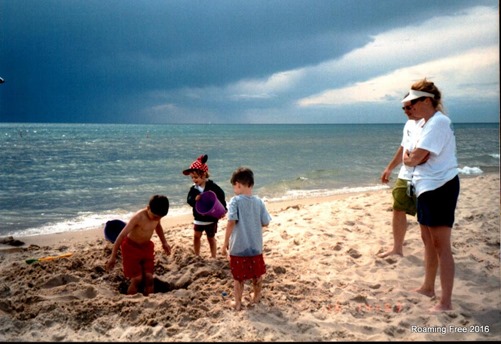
x,y
137,258
245,268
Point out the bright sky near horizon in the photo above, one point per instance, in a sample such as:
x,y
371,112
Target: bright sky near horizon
x,y
232,61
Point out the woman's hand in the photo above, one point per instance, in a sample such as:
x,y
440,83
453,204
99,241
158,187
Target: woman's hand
x,y
416,157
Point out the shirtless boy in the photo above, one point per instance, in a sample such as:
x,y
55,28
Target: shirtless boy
x,y
137,247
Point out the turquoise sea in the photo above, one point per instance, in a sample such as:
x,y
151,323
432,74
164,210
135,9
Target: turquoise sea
x,y
70,177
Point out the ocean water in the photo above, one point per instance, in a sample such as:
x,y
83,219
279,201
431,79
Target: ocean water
x,y
69,177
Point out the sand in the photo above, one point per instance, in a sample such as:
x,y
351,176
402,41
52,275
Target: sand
x,y
324,281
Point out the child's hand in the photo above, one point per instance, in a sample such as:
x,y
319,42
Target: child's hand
x,y
166,248
110,264
197,198
224,251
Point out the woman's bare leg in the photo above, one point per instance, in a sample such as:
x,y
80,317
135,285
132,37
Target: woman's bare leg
x,y
430,263
442,240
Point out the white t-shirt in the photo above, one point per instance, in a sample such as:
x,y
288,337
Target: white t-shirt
x,y
438,138
410,134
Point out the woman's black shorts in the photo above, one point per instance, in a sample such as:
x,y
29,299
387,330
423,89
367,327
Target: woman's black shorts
x,y
437,207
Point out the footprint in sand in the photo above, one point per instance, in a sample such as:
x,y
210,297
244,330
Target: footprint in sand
x,y
354,253
279,270
338,246
88,293
59,281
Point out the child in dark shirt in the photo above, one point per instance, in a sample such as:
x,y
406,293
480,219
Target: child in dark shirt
x,y
199,173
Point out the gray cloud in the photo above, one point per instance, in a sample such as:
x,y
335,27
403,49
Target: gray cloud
x,y
148,61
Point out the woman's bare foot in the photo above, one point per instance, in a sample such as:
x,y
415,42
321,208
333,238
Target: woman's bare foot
x,y
389,253
425,292
440,308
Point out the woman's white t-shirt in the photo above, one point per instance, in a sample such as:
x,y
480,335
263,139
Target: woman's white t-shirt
x,y
438,138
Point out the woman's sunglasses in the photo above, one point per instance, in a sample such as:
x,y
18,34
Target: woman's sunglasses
x,y
413,102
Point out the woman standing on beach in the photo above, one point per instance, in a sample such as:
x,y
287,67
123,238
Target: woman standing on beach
x,y
436,184
403,204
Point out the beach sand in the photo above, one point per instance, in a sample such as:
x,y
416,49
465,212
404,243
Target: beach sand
x,y
323,281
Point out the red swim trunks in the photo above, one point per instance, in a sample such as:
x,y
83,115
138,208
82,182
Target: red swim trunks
x,y
137,258
245,268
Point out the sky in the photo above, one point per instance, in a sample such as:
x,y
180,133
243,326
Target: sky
x,y
232,61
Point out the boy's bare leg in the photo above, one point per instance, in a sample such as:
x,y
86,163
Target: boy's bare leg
x,y
134,285
148,284
213,246
196,242
258,285
238,287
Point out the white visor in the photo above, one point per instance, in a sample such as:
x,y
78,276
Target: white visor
x,y
413,94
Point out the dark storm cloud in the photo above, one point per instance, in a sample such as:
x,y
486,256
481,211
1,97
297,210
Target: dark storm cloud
x,y
100,61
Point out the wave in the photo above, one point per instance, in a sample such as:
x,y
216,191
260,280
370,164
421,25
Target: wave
x,y
303,194
86,221
470,170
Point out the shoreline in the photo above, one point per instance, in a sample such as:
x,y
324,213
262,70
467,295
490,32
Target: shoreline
x,y
182,220
185,219
96,220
